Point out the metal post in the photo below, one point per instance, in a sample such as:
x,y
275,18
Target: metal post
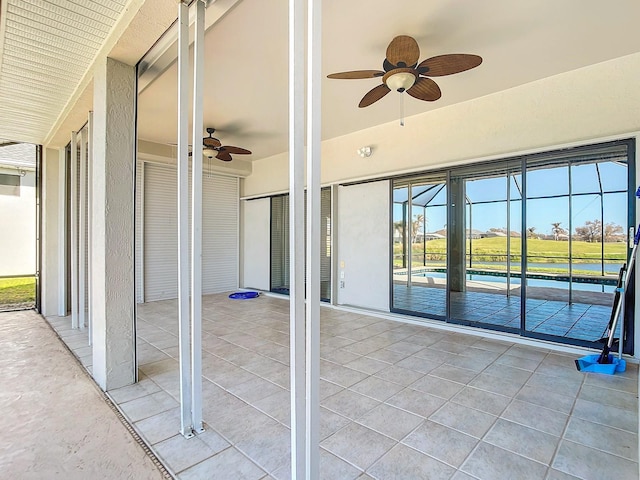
x,y
404,232
508,234
602,269
73,181
523,248
82,229
62,232
424,235
409,232
296,236
183,220
314,139
470,232
196,222
89,222
570,239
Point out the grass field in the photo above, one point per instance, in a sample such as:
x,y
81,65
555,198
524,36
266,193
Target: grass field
x,y
539,251
17,290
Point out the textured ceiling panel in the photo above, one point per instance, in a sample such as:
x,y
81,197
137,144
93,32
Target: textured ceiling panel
x,y
45,49
64,16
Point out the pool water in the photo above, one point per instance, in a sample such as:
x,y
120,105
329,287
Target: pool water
x,y
531,282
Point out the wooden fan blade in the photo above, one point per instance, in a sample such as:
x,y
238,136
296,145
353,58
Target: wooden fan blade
x,y
448,64
211,142
425,89
235,150
357,74
224,156
374,95
403,51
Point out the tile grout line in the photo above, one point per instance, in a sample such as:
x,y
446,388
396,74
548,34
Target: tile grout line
x,y
564,430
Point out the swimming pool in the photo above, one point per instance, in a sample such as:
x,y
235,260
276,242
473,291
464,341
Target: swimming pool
x,y
594,284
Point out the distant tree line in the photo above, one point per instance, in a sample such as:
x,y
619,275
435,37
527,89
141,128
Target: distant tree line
x,y
591,231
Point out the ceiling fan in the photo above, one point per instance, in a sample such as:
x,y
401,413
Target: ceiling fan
x,y
402,72
212,147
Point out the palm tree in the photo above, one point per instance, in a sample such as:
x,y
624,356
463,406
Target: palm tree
x,y
398,226
530,232
557,230
418,221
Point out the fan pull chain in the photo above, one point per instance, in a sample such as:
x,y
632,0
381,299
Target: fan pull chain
x,y
402,109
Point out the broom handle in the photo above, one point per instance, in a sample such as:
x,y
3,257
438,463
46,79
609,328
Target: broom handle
x,y
625,284
623,294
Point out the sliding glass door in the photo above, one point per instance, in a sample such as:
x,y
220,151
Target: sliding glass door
x,y
487,239
530,245
280,243
578,212
420,246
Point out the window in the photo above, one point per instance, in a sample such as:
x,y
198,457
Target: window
x,y
9,184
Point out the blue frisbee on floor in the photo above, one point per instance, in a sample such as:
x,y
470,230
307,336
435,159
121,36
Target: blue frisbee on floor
x,y
244,295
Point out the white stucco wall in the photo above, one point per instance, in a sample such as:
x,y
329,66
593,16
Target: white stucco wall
x,y
112,230
18,220
256,244
363,245
52,223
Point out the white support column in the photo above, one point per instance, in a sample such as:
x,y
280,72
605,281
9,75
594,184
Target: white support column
x,y
112,249
296,237
73,221
196,222
314,119
82,229
186,425
50,262
62,232
89,226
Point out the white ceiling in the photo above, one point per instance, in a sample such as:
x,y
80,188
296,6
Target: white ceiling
x,y
520,42
47,49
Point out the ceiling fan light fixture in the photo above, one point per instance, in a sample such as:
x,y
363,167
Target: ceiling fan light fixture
x,y
402,72
401,81
209,152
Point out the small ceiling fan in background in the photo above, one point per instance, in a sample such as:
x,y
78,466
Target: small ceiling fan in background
x,y
402,72
212,147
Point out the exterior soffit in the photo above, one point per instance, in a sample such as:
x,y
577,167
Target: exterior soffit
x,y
48,51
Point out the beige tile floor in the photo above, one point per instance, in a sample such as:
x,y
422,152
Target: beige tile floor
x,y
398,401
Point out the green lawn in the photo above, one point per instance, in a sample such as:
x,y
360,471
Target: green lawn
x,y
17,290
539,251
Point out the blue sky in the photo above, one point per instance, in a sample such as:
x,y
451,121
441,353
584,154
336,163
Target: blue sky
x,y
541,212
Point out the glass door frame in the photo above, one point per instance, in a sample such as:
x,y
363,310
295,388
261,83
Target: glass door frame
x,y
571,157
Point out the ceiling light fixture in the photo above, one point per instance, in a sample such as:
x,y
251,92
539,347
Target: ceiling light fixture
x,y
364,151
400,81
209,152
